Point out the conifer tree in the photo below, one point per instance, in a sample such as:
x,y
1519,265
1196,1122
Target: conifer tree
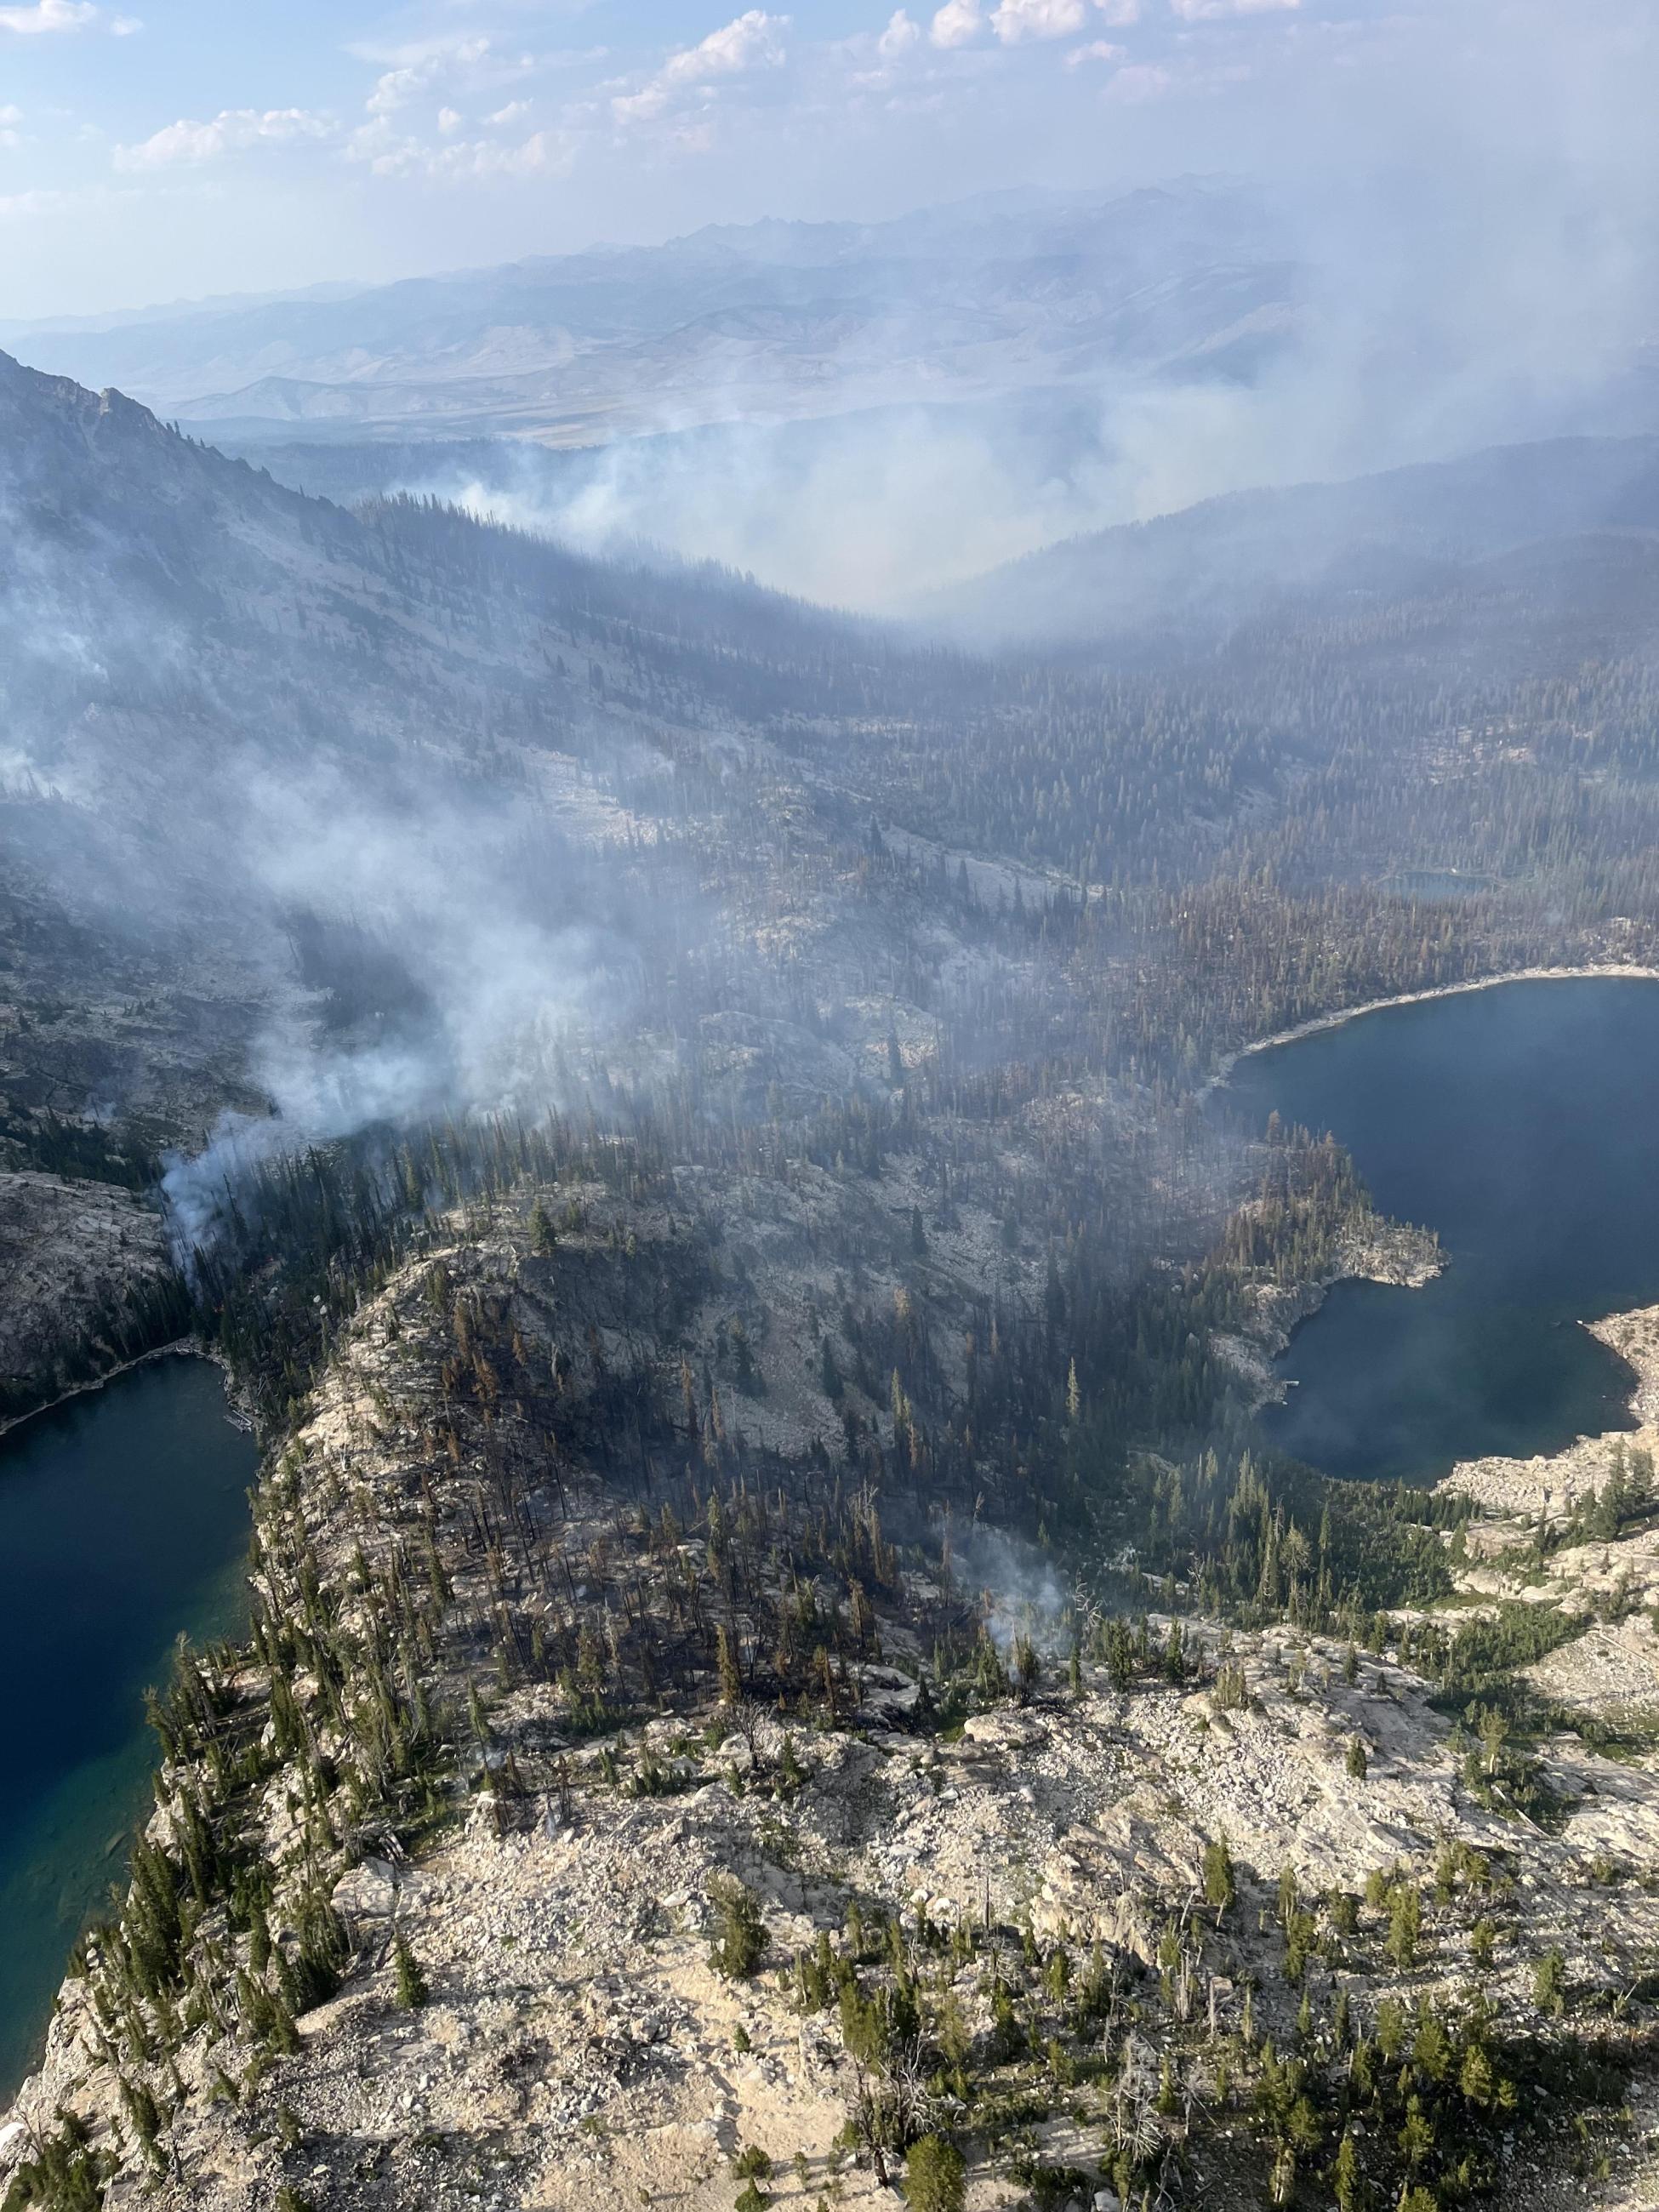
x,y
412,1990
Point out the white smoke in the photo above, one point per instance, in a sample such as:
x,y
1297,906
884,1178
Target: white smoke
x,y
499,994
1025,1592
862,512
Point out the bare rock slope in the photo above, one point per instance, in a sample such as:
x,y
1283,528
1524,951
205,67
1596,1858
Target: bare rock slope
x,y
73,1258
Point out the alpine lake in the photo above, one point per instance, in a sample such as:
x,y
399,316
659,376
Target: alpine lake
x,y
123,1524
1520,1123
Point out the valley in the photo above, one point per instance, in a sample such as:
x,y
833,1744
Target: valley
x,y
691,1120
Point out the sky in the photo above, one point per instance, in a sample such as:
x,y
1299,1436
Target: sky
x,y
153,150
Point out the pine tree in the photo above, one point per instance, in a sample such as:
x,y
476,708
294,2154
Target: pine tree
x,y
1345,2183
740,1943
730,1675
412,1990
1549,1982
1475,2079
792,1775
935,2179
1405,1926
1220,1885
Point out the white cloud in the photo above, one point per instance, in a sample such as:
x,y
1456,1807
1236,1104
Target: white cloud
x,y
899,37
447,71
874,60
956,24
385,154
454,66
752,41
543,153
397,87
15,206
1140,82
1097,50
431,54
234,131
410,53
1015,20
48,15
378,145
1214,11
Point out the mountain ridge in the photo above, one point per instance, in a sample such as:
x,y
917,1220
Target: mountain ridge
x,y
1236,556
618,313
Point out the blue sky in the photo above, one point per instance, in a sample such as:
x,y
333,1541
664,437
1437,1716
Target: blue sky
x,y
155,150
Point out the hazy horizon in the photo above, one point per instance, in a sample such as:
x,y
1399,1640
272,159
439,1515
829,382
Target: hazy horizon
x,y
179,153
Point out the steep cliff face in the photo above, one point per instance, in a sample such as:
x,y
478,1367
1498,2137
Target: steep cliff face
x,y
87,1272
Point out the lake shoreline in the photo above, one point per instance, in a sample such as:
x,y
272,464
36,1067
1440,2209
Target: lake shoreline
x,y
1454,1111
182,1348
120,1528
1316,1025
1388,1252
1549,1485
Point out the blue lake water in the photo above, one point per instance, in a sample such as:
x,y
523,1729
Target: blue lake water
x,y
1522,1123
124,1523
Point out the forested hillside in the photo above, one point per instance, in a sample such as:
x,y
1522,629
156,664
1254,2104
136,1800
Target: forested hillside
x,y
264,748
683,1114
1314,549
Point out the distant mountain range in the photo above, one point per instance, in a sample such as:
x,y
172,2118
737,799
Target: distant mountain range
x,y
776,319
869,415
